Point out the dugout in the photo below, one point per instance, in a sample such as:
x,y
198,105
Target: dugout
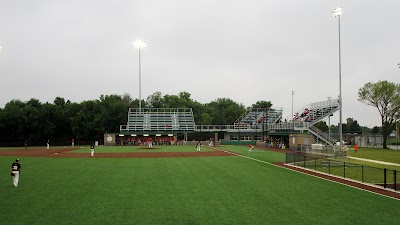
x,y
291,139
139,138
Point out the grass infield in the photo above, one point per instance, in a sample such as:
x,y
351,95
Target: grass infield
x,y
198,190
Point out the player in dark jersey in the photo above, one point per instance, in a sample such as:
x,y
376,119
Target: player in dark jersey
x,y
15,171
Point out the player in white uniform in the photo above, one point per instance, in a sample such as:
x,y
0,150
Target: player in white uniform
x,y
15,171
198,145
211,142
251,148
92,150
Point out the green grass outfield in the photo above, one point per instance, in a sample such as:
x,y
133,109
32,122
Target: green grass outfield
x,y
198,190
386,155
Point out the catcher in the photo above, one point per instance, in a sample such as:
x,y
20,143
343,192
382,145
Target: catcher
x,y
15,171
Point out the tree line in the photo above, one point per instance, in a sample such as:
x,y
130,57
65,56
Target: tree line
x,y
62,120
88,120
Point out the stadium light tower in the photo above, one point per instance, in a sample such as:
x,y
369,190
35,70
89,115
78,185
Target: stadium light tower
x,y
139,44
336,13
292,104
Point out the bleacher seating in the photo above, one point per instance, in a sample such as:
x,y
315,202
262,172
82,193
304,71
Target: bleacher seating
x,y
159,119
254,117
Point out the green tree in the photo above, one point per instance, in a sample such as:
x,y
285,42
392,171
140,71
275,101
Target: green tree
x,y
155,100
375,130
13,121
322,126
113,110
352,126
365,130
262,104
224,111
385,96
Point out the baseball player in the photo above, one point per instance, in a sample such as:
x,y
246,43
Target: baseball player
x,y
150,143
15,171
48,144
198,145
211,142
92,150
251,148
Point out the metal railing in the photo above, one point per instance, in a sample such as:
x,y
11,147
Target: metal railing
x,y
383,177
322,135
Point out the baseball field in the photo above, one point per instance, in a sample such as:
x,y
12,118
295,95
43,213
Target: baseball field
x,y
176,185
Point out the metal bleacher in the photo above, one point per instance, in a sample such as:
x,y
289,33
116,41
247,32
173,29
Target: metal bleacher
x,y
159,119
253,120
303,120
313,113
256,117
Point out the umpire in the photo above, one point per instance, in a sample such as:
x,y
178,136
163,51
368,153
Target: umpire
x,y
15,171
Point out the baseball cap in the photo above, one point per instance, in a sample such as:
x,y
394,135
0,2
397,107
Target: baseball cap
x,y
17,159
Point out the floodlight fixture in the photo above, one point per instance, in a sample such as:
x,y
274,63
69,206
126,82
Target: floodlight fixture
x,y
337,12
139,44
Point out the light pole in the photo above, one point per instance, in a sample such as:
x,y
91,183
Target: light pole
x,y
397,134
329,121
336,13
139,44
292,104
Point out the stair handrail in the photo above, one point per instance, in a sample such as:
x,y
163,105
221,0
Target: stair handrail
x,y
324,136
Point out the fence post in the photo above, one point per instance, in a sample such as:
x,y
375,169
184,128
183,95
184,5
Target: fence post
x,y
344,170
286,157
362,173
394,178
384,178
329,166
315,164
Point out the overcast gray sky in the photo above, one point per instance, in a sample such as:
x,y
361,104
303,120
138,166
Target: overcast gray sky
x,y
243,50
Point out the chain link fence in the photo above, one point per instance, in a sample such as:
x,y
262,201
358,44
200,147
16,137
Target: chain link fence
x,y
384,177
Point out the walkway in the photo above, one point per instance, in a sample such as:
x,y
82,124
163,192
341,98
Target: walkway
x,y
394,147
374,161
